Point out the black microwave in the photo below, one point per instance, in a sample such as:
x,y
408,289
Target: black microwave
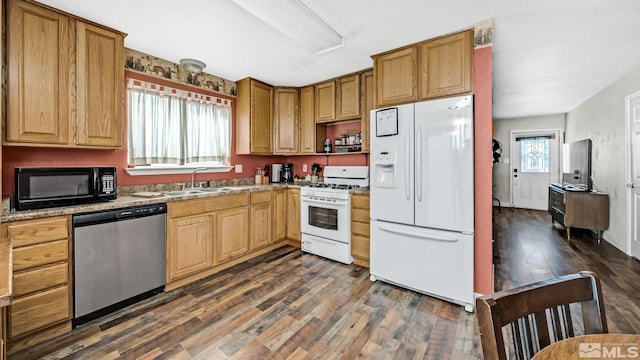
x,y
38,188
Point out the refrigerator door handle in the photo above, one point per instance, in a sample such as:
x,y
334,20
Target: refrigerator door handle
x,y
417,234
407,164
419,164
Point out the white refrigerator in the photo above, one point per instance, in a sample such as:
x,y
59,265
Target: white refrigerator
x,y
422,210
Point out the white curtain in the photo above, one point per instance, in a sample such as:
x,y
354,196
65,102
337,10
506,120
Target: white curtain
x,y
207,132
169,126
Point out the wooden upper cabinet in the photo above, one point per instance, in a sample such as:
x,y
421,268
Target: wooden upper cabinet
x,y
307,120
430,69
368,104
348,99
253,118
65,80
100,74
38,61
445,65
286,121
396,76
326,101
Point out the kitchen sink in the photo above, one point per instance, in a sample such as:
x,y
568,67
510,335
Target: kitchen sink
x,y
210,190
199,191
182,192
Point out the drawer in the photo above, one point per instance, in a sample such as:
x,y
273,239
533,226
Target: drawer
x,y
201,206
40,310
360,215
557,216
261,197
40,254
360,246
31,281
24,233
556,200
360,201
360,228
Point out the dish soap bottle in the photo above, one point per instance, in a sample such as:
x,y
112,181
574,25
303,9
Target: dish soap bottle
x,y
327,146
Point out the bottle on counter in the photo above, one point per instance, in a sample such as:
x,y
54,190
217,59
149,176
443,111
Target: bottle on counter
x,y
258,176
327,146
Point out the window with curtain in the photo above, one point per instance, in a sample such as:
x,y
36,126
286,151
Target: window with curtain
x,y
176,127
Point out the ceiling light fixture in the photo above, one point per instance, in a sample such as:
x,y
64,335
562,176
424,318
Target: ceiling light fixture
x,y
192,65
295,20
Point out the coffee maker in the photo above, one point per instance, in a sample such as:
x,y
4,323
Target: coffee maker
x,y
287,172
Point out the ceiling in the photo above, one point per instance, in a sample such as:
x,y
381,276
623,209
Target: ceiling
x,y
548,56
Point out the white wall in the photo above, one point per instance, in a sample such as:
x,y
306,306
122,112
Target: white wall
x,y
501,132
602,118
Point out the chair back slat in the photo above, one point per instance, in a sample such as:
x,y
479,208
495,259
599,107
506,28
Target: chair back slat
x,y
542,328
568,321
539,314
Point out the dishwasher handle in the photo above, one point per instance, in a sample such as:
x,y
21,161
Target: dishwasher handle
x,y
99,217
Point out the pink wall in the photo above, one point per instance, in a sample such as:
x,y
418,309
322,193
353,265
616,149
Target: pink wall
x,y
333,160
15,156
482,72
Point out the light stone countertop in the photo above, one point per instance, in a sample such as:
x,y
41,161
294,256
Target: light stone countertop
x,y
128,201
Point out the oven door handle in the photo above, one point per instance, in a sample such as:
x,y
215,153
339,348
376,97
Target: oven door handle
x,y
341,203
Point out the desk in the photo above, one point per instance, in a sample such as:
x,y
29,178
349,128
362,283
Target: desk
x,y
596,346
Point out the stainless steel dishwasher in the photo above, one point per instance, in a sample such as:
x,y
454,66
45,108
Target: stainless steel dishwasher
x,y
119,257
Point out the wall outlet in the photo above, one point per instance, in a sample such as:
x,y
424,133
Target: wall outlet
x,y
304,167
238,168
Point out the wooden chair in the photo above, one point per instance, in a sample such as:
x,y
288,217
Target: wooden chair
x,y
535,315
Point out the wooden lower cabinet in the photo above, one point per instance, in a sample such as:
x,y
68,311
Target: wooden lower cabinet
x,y
39,311
231,234
279,216
261,220
42,285
207,235
3,333
189,246
360,229
293,215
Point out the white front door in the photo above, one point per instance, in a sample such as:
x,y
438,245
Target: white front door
x,y
633,173
535,165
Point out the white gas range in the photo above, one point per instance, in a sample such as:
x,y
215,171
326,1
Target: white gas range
x,y
325,211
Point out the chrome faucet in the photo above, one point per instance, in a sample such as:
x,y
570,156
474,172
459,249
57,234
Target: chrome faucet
x,y
193,176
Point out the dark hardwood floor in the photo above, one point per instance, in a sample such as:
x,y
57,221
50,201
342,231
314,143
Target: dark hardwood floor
x,y
530,249
292,305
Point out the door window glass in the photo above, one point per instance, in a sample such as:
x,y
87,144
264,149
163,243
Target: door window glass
x,y
534,155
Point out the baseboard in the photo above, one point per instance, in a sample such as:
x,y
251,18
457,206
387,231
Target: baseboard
x,y
606,236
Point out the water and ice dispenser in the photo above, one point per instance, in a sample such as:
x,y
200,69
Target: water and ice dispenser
x,y
384,171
